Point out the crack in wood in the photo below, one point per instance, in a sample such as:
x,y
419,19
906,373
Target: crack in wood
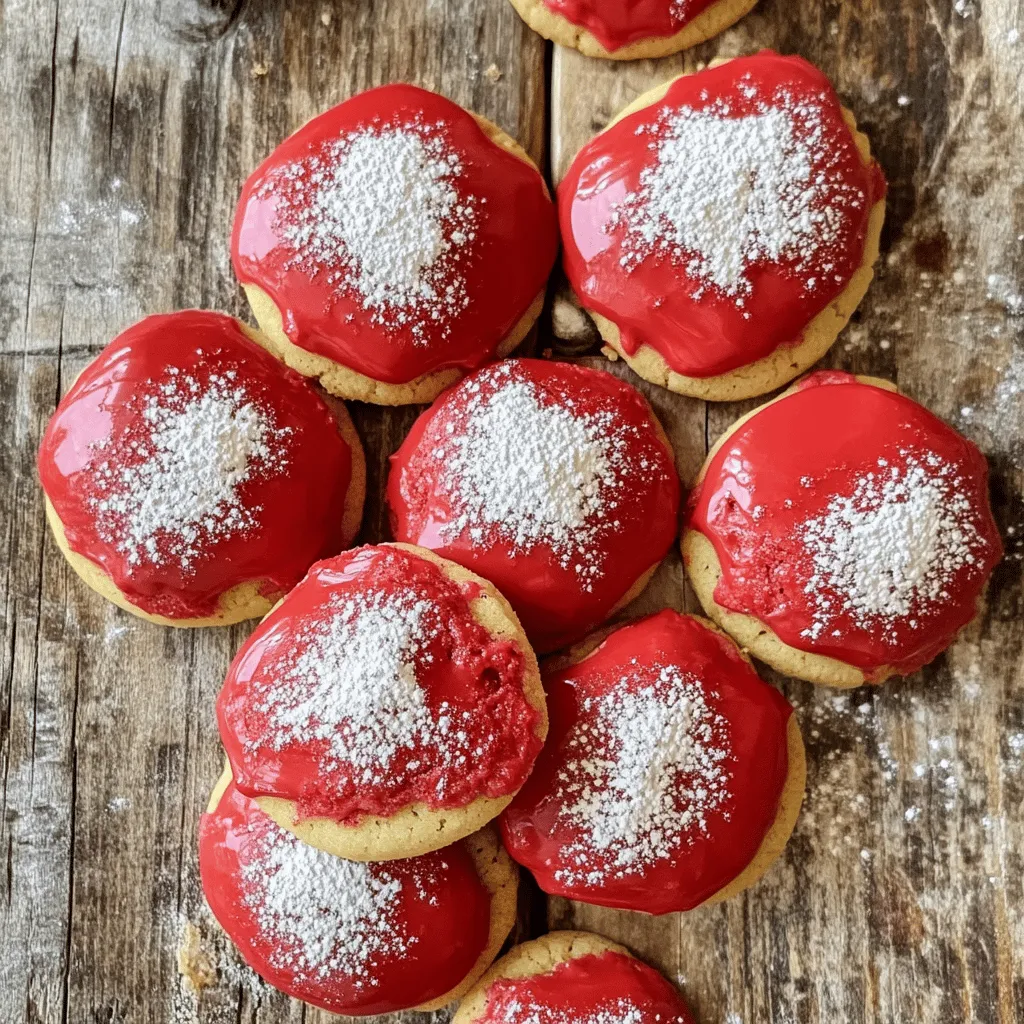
x,y
113,81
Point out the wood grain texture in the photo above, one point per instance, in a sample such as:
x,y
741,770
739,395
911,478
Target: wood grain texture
x,y
130,127
899,898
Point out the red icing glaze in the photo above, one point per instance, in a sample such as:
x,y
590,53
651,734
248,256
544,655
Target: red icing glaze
x,y
615,25
743,734
792,460
598,988
556,602
351,756
661,300
504,265
292,506
431,926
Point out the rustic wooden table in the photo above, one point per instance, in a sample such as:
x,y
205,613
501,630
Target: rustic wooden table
x,y
129,127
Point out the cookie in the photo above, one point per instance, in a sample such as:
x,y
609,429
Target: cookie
x,y
724,227
555,482
393,244
389,706
630,31
841,533
351,937
191,478
672,776
572,977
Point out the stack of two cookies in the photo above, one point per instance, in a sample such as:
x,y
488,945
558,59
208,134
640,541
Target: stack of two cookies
x,y
375,723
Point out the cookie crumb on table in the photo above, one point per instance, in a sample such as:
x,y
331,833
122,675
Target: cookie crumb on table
x,y
195,964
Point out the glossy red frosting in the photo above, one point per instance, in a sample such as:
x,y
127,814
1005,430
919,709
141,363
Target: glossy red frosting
x,y
592,989
471,680
784,466
433,928
750,729
554,601
698,329
294,508
615,25
505,264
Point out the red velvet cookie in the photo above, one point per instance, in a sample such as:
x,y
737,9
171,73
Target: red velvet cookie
x,y
389,706
672,774
842,533
572,978
554,481
351,937
191,478
630,29
723,228
394,243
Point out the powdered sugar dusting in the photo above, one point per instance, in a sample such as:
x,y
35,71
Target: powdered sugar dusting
x,y
351,687
726,192
527,1011
647,769
522,464
322,915
171,487
889,551
379,212
354,684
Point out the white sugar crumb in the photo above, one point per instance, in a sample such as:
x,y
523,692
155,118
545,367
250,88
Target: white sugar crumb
x,y
523,465
351,685
647,770
170,488
890,550
727,192
1003,290
1015,747
379,213
681,11
324,915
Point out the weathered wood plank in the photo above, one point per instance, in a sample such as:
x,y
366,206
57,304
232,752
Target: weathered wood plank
x,y
131,126
899,898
